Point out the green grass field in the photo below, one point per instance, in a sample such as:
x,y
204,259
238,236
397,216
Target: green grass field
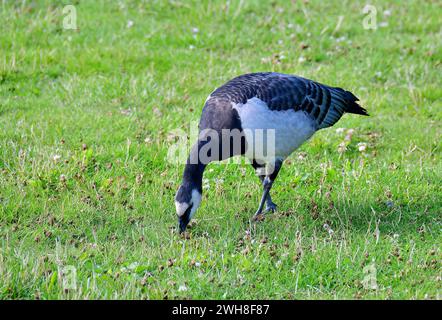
x,y
87,117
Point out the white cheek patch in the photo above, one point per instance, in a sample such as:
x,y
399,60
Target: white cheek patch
x,y
181,208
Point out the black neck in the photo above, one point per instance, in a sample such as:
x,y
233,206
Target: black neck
x,y
193,172
193,176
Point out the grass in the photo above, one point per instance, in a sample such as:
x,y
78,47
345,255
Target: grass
x,y
86,118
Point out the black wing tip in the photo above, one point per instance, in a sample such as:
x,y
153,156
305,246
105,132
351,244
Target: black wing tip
x,y
353,106
357,109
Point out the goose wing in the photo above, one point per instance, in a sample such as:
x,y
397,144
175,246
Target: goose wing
x,y
323,103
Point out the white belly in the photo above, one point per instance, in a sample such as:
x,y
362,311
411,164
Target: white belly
x,y
273,134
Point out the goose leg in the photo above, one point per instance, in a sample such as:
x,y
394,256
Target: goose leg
x,y
259,169
267,182
270,205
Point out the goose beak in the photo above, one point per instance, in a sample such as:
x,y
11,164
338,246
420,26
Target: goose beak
x,y
183,222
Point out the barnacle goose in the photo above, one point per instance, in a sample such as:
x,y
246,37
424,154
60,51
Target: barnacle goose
x,y
292,106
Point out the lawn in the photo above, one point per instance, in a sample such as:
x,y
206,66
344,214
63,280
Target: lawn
x,y
88,116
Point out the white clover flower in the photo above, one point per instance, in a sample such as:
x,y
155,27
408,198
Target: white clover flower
x,y
182,288
206,184
328,229
340,39
265,60
342,147
302,156
349,134
56,157
340,130
362,146
130,24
